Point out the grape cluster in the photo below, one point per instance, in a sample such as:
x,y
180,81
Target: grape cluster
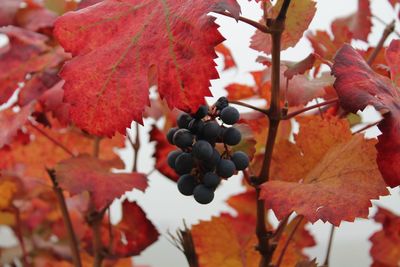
x,y
198,161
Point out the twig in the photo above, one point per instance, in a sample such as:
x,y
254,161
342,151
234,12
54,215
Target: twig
x,y
253,23
384,23
297,112
366,127
73,242
54,141
290,237
20,236
95,219
328,251
135,146
184,242
96,146
239,103
388,30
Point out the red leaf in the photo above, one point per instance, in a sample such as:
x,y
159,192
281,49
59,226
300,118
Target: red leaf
x,y
294,28
393,60
137,231
161,152
229,61
358,23
36,18
300,67
385,250
11,123
8,9
357,86
167,36
85,173
327,169
27,53
52,101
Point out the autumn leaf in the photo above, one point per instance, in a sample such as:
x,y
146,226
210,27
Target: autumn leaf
x,y
300,239
162,149
217,245
131,241
27,53
41,153
385,250
329,168
8,9
11,123
9,187
300,67
122,40
294,27
85,173
393,60
358,23
357,86
229,61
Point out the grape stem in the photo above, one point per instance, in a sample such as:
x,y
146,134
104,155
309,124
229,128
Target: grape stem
x,y
73,241
289,239
328,251
239,103
388,30
266,246
253,23
297,112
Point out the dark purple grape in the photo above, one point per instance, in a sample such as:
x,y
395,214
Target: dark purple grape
x,y
183,120
172,157
211,180
229,115
202,150
186,184
183,138
241,160
184,163
225,168
201,112
232,136
210,131
170,135
196,126
221,103
203,194
215,158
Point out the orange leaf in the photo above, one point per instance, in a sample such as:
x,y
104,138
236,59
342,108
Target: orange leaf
x,y
330,167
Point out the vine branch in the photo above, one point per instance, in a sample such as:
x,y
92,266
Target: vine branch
x,y
135,146
239,103
328,251
283,252
253,23
388,30
54,141
73,242
297,112
275,28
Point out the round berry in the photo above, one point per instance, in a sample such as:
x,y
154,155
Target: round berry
x,y
229,115
202,150
225,168
172,157
221,103
186,184
183,138
196,126
184,163
211,180
241,160
203,194
170,135
183,120
232,136
201,112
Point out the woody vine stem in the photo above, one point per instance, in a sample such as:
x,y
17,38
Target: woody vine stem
x,y
266,243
